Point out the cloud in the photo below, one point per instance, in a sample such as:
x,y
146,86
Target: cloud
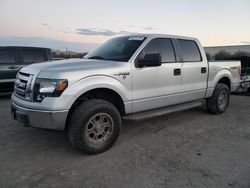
x,y
100,32
148,28
44,24
103,32
245,42
67,31
123,32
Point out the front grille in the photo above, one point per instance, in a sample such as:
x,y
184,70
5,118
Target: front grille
x,y
23,86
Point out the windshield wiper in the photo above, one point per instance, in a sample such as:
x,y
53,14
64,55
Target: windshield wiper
x,y
97,57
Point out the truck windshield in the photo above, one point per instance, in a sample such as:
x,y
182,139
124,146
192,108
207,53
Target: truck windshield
x,y
117,49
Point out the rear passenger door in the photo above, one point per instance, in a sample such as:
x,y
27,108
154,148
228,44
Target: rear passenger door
x,y
30,56
194,71
8,65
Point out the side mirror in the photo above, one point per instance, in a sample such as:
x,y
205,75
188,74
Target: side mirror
x,y
149,60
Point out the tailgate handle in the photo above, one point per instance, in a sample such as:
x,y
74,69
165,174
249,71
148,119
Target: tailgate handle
x,y
177,72
203,70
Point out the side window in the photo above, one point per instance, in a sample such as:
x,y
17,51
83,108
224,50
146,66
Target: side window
x,y
161,46
33,56
190,51
7,56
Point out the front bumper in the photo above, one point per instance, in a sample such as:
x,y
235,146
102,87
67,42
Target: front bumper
x,y
55,120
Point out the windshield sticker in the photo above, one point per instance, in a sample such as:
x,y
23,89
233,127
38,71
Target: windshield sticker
x,y
136,38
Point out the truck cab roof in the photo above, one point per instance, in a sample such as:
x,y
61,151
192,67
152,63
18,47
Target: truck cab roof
x,y
155,35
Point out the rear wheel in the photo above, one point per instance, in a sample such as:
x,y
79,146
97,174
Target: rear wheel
x,y
218,103
94,126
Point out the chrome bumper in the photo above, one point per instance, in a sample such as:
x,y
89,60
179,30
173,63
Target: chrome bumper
x,y
55,120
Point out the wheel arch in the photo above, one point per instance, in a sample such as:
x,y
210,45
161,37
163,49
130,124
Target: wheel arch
x,y
223,76
106,94
225,80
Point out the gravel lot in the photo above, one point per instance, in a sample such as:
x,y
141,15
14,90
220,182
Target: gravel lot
x,y
184,149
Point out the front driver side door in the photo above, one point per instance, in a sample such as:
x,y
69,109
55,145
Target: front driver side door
x,y
156,86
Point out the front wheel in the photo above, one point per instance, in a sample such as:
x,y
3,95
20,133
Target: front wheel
x,y
94,126
218,103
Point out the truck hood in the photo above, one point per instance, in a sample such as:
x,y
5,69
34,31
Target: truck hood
x,y
70,65
73,69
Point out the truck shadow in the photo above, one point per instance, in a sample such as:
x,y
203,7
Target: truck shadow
x,y
150,126
32,140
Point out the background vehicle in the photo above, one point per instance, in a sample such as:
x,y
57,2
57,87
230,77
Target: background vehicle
x,y
245,74
13,58
133,77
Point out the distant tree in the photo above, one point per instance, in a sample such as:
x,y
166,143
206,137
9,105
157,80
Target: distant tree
x,y
222,55
209,56
68,55
240,54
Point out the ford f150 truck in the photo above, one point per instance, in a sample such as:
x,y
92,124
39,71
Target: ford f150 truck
x,y
128,77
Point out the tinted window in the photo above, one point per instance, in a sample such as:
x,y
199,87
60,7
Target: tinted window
x,y
164,47
117,49
33,56
190,50
7,56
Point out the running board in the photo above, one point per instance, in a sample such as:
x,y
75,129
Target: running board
x,y
162,111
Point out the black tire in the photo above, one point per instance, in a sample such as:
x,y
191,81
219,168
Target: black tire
x,y
213,103
83,119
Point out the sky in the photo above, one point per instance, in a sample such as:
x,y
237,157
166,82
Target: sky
x,y
81,25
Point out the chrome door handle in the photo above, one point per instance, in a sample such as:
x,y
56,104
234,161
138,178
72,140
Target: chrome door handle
x,y
203,70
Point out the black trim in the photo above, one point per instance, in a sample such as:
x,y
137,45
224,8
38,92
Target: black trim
x,y
177,72
177,50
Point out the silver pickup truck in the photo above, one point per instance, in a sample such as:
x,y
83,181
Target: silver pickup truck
x,y
128,77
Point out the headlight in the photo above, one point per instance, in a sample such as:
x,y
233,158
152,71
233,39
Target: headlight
x,y
49,88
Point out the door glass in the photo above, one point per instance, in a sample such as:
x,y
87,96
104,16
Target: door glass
x,y
190,50
117,49
7,56
161,46
33,56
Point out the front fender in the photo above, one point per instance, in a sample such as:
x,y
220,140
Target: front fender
x,y
121,87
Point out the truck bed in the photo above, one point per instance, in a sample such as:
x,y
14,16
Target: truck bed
x,y
231,65
245,66
245,70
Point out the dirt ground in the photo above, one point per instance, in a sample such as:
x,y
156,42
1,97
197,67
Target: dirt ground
x,y
185,149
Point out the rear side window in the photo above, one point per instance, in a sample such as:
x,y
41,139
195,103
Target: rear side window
x,y
190,50
7,56
33,56
161,46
